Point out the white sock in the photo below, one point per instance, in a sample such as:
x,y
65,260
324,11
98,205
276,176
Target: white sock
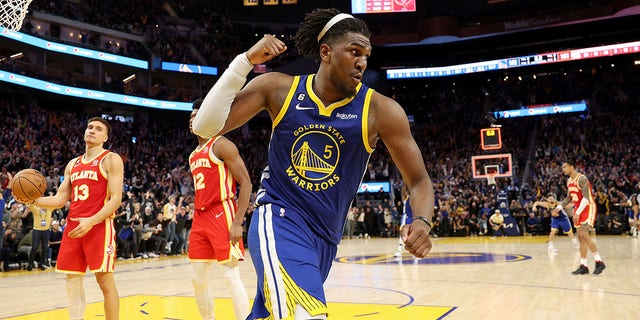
x,y
596,256
574,241
550,244
76,297
400,244
200,280
238,293
583,261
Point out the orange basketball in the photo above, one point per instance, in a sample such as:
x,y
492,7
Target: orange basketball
x,y
28,185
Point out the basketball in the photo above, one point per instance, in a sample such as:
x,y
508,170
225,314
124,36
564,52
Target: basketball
x,y
28,185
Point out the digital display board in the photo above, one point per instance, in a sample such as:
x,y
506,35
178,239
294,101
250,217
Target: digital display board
x,y
543,109
382,6
72,50
189,68
92,94
373,187
516,62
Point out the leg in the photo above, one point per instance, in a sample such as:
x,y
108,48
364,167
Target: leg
x,y
552,236
34,248
107,284
200,280
293,272
633,230
44,249
302,314
75,296
594,249
400,245
573,238
583,238
231,273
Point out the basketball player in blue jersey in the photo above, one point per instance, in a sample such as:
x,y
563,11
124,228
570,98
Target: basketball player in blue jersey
x,y
407,217
559,221
325,126
634,209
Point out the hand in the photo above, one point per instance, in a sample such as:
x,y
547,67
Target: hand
x,y
84,225
416,238
266,49
235,233
575,220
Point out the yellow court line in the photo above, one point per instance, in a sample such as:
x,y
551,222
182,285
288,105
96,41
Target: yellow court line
x,y
184,308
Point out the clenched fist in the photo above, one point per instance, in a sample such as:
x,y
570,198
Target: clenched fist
x,y
266,49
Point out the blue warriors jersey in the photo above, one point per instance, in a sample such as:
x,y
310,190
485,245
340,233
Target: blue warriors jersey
x,y
561,222
561,213
407,213
317,158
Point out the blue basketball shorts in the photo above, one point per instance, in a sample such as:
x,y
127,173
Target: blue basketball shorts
x,y
291,264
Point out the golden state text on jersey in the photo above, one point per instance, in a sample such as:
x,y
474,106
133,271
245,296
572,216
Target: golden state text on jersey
x,y
317,156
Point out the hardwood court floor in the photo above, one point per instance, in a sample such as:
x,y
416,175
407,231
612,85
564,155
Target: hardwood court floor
x,y
464,278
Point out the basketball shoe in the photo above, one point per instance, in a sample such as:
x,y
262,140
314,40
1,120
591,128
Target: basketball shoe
x,y
582,269
599,267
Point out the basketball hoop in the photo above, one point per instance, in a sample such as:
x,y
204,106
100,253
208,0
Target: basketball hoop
x,y
12,13
491,179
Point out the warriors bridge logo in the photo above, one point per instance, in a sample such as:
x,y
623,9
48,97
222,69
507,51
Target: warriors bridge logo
x,y
315,154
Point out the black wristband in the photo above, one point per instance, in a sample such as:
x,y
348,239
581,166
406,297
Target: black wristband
x,y
423,219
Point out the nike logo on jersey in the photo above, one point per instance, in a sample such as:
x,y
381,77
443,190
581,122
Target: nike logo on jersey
x,y
219,214
298,107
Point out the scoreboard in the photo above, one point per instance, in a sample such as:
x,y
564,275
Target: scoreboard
x,y
490,138
253,3
382,6
517,62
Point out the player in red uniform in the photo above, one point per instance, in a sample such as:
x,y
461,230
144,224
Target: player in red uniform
x,y
216,234
584,215
94,183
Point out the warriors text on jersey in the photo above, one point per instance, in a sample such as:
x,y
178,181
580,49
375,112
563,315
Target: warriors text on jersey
x,y
212,180
317,157
88,186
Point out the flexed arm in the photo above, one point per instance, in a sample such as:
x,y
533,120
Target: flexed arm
x,y
217,103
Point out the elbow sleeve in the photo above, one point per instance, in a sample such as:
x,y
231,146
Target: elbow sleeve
x,y
215,107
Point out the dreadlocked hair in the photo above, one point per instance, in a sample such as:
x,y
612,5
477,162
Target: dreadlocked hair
x,y
306,39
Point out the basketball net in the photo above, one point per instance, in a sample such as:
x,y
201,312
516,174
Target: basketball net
x,y
12,13
491,179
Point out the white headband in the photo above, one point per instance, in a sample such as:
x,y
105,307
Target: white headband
x,y
337,18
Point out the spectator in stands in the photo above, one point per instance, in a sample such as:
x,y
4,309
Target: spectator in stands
x,y
40,235
497,223
616,224
483,225
534,225
55,237
169,210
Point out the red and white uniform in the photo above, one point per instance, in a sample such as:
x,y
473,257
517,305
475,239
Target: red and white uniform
x,y
89,193
588,215
215,207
